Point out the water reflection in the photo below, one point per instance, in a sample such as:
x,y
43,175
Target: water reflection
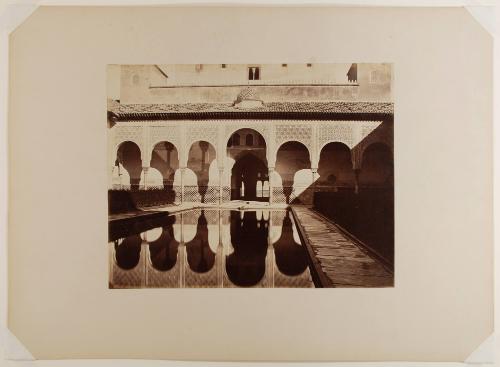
x,y
199,254
213,248
247,264
163,251
289,252
128,252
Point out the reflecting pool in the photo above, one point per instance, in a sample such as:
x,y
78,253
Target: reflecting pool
x,y
212,248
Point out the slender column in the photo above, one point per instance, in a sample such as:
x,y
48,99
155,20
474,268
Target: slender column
x,y
314,145
221,191
144,255
271,170
270,267
270,256
314,171
183,155
219,263
220,254
220,226
182,264
182,256
120,183
183,170
145,170
356,180
356,155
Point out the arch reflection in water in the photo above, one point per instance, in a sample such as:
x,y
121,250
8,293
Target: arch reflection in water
x,y
163,251
127,252
289,253
246,266
199,254
213,248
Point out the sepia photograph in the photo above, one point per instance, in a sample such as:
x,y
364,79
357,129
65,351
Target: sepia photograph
x,y
250,175
250,148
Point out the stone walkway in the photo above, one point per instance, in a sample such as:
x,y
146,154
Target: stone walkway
x,y
176,208
337,260
146,212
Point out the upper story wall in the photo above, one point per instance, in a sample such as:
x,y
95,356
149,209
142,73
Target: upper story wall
x,y
221,83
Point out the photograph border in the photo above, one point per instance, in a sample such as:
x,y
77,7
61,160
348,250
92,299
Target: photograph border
x,y
15,14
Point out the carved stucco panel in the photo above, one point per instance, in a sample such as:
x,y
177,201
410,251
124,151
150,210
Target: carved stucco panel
x,y
205,132
294,132
134,134
165,133
337,131
371,136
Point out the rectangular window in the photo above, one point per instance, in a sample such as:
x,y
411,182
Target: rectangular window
x,y
284,65
309,65
254,73
223,66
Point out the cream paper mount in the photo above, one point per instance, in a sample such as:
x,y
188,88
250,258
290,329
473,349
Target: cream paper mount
x,y
15,15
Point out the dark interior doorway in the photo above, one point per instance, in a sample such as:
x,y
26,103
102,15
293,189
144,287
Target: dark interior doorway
x,y
248,178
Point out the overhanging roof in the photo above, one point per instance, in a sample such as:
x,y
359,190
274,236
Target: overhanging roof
x,y
269,110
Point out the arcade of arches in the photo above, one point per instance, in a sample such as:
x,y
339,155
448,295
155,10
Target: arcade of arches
x,y
271,161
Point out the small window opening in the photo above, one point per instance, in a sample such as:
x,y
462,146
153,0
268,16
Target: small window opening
x,y
254,73
249,140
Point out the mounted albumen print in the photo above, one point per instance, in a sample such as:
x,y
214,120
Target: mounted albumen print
x,y
250,175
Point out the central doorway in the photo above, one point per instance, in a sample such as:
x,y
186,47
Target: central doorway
x,y
249,175
249,179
